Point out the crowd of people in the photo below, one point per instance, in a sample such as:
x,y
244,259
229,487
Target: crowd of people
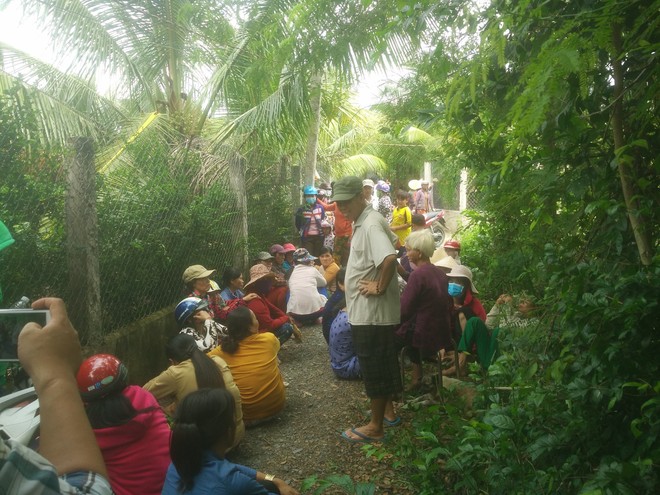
x,y
362,270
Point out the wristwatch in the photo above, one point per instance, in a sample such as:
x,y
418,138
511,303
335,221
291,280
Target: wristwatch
x,y
269,477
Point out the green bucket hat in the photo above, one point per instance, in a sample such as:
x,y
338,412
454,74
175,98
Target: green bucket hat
x,y
6,239
346,188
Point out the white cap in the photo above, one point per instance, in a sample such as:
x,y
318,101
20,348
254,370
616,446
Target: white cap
x,y
367,182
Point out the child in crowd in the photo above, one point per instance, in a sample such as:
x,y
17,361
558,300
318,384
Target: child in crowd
x,y
418,223
214,297
329,236
401,220
201,435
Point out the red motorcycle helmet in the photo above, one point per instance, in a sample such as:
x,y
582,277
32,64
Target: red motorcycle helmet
x,y
452,244
101,375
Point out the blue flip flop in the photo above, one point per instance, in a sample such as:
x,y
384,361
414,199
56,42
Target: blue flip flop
x,y
362,438
395,422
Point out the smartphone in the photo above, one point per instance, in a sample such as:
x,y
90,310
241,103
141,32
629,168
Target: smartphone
x,y
40,316
12,322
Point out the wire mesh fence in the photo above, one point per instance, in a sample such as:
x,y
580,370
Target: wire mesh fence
x,y
113,240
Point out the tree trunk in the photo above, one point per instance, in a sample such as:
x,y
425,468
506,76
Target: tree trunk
x,y
309,166
84,302
626,168
240,226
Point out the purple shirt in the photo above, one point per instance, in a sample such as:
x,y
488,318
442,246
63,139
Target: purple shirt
x,y
426,309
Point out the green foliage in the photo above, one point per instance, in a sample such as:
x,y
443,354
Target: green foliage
x,y
31,205
152,223
336,482
270,214
571,406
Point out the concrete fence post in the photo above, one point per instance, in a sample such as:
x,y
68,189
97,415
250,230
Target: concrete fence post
x,y
84,301
240,226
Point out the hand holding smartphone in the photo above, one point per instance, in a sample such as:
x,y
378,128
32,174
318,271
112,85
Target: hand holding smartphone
x,y
40,316
12,322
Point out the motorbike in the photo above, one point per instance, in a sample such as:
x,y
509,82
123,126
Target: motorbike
x,y
19,417
19,405
435,221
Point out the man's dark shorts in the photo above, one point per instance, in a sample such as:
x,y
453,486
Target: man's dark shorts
x,y
379,361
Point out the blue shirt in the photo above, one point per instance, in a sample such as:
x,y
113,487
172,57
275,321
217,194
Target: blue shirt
x,y
217,477
328,312
343,359
228,295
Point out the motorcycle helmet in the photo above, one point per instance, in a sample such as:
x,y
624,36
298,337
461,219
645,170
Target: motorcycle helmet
x,y
310,191
452,244
100,375
186,308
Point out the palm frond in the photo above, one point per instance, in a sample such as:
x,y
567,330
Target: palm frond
x,y
286,108
359,165
415,135
93,34
63,106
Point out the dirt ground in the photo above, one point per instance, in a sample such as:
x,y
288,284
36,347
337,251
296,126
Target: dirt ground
x,y
304,440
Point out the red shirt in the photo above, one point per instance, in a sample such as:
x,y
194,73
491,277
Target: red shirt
x,y
343,226
474,304
269,316
137,453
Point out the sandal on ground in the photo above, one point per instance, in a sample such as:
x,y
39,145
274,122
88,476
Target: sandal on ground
x,y
395,422
361,437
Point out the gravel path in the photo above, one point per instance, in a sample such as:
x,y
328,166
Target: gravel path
x,y
304,440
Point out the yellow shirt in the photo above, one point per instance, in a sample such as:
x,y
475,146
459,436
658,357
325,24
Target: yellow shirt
x,y
401,216
330,275
257,374
177,381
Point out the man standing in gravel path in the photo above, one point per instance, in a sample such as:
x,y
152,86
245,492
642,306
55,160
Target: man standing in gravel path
x,y
372,300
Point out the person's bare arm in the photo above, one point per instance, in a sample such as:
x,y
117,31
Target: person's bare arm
x,y
378,287
394,228
281,485
461,355
402,271
51,356
328,206
452,369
